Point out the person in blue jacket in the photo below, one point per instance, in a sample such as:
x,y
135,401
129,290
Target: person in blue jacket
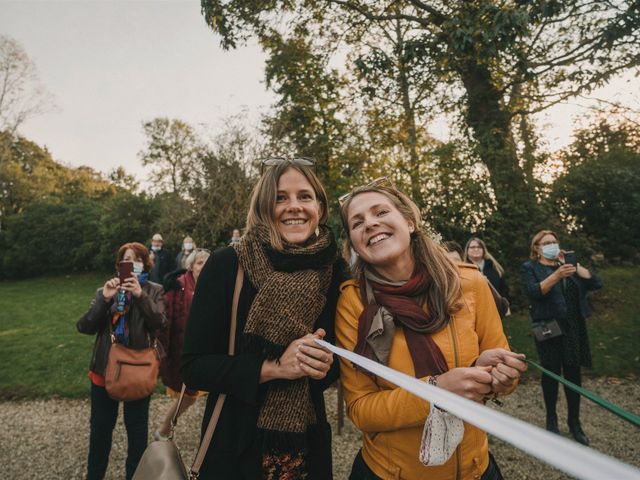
x,y
557,291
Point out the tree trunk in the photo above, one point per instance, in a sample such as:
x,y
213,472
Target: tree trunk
x,y
409,119
491,125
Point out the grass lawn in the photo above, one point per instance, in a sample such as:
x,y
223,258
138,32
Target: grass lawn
x,y
41,352
42,355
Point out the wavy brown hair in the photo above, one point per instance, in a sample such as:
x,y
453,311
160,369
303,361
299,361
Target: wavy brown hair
x,y
263,199
139,250
444,296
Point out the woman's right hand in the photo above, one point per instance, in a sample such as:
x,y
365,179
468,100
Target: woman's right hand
x,y
110,288
473,383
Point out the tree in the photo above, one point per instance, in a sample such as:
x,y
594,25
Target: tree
x,y
597,196
29,174
500,61
172,149
21,94
50,236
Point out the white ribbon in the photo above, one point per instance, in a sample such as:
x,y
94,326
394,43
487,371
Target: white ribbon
x,y
566,455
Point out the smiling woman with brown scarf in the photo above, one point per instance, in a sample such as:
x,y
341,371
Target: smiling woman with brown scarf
x,y
273,424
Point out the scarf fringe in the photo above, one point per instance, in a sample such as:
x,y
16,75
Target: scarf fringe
x,y
256,344
273,441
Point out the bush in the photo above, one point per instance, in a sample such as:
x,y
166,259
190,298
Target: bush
x,y
51,237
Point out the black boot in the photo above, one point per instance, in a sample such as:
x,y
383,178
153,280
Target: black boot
x,y
552,423
577,432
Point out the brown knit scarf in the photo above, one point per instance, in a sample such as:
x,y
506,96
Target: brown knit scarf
x,y
292,287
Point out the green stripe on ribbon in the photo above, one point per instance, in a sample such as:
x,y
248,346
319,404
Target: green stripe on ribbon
x,y
628,416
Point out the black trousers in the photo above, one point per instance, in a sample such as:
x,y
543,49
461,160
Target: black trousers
x,y
552,357
361,471
104,413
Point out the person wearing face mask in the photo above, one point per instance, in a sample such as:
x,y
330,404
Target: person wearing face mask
x,y
273,424
188,245
557,294
162,260
235,236
179,289
133,311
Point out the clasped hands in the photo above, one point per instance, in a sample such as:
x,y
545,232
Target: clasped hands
x,y
302,358
495,371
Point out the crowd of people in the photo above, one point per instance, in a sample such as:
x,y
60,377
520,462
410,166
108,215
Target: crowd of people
x,y
395,296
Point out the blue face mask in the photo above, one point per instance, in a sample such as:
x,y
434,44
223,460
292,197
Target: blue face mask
x,y
551,251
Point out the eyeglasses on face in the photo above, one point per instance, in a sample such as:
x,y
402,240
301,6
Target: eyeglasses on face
x,y
373,183
549,242
296,160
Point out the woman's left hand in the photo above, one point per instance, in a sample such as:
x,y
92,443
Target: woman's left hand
x,y
315,361
507,367
132,285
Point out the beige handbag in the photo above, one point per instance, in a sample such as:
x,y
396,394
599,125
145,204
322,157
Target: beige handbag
x,y
162,460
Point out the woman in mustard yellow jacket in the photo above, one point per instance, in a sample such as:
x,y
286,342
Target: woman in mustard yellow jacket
x,y
413,309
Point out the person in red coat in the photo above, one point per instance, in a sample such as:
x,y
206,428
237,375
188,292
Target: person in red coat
x,y
180,287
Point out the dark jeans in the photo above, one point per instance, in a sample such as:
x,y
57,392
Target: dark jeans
x,y
104,413
361,471
552,358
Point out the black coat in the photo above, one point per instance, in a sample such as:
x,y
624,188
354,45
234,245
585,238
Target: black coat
x,y
498,282
162,264
552,305
233,453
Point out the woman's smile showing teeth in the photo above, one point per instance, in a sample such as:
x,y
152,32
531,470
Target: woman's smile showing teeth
x,y
294,221
378,238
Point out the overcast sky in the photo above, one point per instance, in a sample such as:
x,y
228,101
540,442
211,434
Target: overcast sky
x,y
113,64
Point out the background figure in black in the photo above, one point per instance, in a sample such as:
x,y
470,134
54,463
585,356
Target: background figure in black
x,y
455,253
162,261
557,291
476,252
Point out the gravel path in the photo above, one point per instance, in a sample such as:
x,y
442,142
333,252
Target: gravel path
x,y
48,439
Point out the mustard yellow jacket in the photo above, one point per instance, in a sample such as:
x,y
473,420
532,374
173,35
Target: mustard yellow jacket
x,y
391,418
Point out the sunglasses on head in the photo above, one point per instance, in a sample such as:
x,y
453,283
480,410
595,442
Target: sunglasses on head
x,y
373,183
297,160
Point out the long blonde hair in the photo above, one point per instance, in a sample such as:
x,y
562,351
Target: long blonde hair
x,y
263,199
444,296
485,254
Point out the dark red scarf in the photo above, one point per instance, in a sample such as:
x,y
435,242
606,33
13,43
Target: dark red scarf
x,y
402,303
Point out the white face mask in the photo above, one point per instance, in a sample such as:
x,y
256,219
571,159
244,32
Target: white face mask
x,y
187,246
138,267
156,248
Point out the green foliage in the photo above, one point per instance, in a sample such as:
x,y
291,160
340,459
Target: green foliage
x,y
28,174
172,150
598,194
125,217
51,237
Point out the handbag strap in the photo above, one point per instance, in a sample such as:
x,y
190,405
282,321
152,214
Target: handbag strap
x,y
215,416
